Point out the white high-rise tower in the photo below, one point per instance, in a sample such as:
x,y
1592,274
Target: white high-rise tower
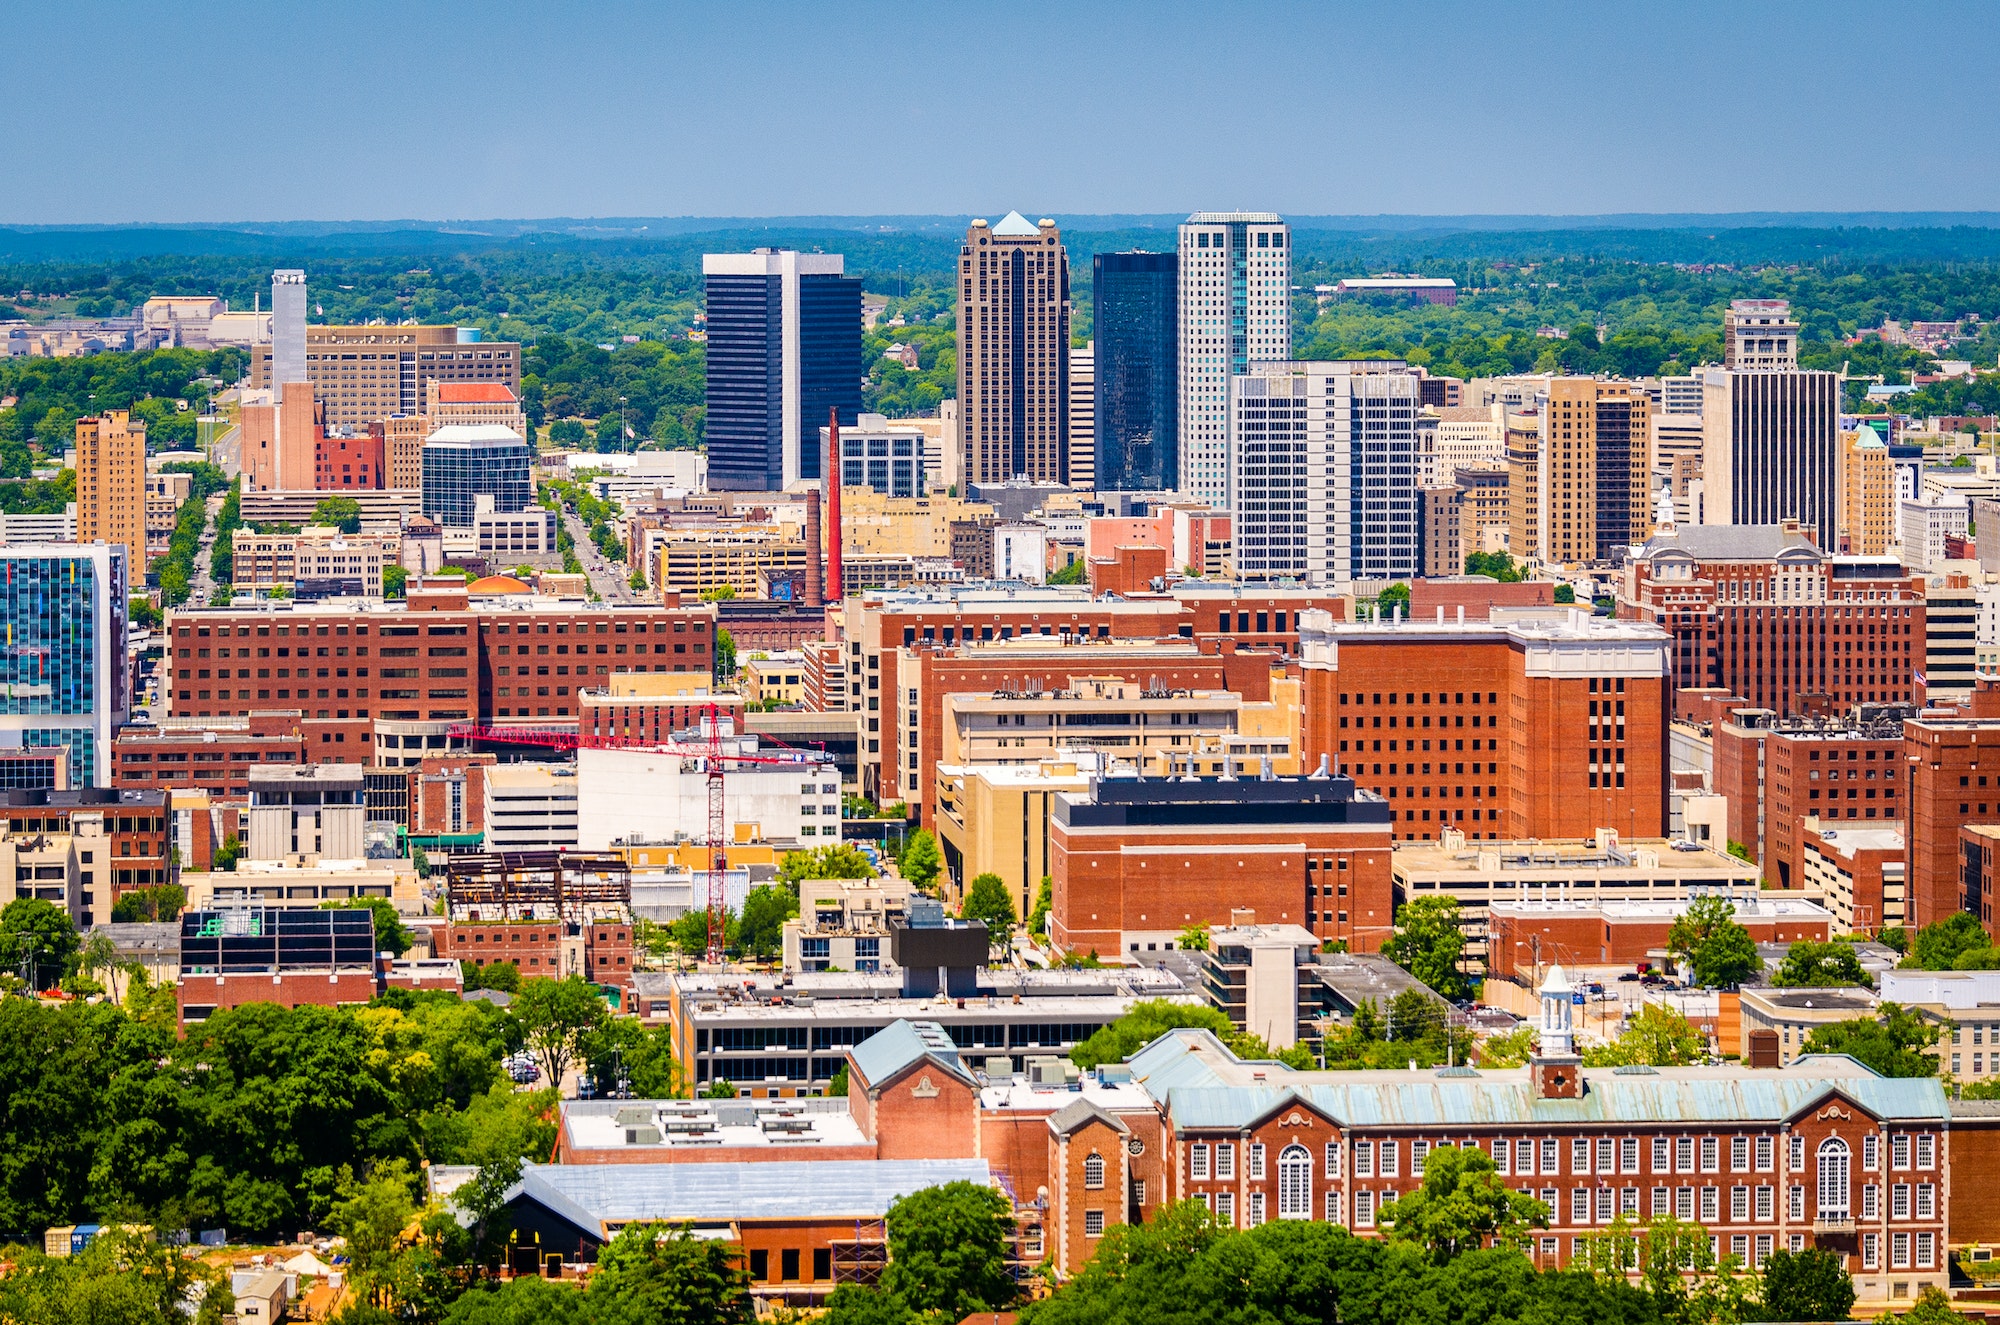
x,y
1235,310
288,328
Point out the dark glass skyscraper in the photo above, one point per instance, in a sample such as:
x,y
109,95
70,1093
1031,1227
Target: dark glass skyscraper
x,y
784,347
1134,323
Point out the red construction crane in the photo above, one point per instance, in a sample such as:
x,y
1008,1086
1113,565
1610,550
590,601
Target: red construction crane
x,y
715,760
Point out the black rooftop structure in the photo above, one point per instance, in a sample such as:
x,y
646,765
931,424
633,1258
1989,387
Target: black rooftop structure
x,y
274,940
1220,802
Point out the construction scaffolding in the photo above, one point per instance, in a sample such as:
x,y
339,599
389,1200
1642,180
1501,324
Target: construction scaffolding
x,y
576,886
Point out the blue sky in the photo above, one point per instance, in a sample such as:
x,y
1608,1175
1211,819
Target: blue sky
x,y
133,110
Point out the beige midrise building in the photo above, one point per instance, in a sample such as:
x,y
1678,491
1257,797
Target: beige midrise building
x,y
111,485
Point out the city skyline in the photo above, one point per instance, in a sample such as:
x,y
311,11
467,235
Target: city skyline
x,y
587,125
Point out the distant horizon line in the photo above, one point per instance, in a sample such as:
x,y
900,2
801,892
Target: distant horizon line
x,y
631,226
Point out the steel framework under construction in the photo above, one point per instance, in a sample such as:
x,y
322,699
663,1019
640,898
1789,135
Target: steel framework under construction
x,y
571,885
715,759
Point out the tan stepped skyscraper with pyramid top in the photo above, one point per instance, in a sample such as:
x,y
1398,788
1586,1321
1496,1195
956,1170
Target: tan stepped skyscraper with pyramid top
x,y
1013,352
111,484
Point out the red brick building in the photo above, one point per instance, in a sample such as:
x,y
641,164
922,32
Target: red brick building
x,y
1526,937
448,796
395,677
215,757
873,626
1133,862
1552,728
1948,788
350,459
1763,612
1774,772
599,951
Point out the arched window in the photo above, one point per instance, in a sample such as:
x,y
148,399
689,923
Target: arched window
x,y
1833,1185
1093,1172
1295,1180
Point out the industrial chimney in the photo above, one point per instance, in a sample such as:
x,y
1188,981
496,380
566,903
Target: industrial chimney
x,y
830,480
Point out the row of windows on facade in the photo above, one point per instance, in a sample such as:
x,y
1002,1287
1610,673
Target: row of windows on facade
x,y
1588,1156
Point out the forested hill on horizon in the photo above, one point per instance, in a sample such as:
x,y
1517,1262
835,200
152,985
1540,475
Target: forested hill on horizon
x,y
1571,298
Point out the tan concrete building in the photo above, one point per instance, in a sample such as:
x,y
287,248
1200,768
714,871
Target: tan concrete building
x,y
776,678
1597,469
874,525
367,373
994,819
316,562
165,495
111,484
1013,352
1485,510
1444,551
1527,519
1480,874
1867,494
403,451
697,560
1167,731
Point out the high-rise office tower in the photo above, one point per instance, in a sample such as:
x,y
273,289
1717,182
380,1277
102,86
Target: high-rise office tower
x,y
1013,352
288,327
111,483
1235,310
1596,468
1867,494
66,683
1760,336
1135,318
1771,432
1083,417
784,347
1324,487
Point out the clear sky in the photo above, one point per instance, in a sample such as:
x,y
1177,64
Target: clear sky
x,y
135,110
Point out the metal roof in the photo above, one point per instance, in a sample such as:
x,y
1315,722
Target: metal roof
x,y
1206,1086
592,1196
902,1044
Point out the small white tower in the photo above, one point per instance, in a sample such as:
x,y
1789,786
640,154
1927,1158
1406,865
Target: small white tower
x,y
1558,1034
1555,1070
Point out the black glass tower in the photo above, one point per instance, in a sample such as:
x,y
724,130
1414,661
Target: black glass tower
x,y
1135,325
771,385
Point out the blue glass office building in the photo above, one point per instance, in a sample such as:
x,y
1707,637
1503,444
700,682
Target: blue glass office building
x,y
464,462
63,675
1135,322
784,349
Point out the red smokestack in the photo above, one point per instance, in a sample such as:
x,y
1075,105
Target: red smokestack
x,y
813,552
831,481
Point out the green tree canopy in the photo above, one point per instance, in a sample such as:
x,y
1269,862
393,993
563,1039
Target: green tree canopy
x,y
761,930
1893,1042
1462,1205
1810,964
1940,944
1428,943
989,900
554,1014
1718,951
921,860
838,861
948,1249
338,512
659,1274
645,1057
1805,1285
1146,1022
1658,1036
38,940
